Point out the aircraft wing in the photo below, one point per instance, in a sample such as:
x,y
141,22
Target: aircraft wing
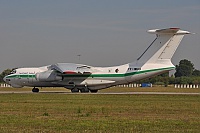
x,y
70,68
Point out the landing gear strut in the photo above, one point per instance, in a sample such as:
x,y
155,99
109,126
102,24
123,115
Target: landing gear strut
x,y
35,90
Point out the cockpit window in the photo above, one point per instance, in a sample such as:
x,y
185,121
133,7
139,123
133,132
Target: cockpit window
x,y
13,72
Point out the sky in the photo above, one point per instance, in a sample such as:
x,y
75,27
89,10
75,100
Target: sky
x,y
104,33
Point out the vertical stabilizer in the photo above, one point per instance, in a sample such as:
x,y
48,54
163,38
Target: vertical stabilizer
x,y
164,46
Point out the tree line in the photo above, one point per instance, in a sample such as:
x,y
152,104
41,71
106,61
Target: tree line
x,y
185,74
4,73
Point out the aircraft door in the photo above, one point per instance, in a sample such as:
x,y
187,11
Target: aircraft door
x,y
18,79
134,76
30,78
25,79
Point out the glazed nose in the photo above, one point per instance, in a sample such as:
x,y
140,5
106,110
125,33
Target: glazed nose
x,y
5,79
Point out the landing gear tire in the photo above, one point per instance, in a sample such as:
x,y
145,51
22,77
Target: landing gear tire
x,y
35,90
75,90
84,90
93,91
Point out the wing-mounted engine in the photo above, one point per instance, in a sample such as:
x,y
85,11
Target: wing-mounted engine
x,y
48,76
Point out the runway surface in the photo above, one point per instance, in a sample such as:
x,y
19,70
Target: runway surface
x,y
99,93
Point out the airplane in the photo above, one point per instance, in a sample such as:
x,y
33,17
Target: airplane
x,y
155,60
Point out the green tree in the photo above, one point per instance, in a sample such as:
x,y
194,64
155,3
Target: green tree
x,y
182,80
185,68
196,80
196,72
4,73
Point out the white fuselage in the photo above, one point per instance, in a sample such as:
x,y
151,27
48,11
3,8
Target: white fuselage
x,y
155,60
103,77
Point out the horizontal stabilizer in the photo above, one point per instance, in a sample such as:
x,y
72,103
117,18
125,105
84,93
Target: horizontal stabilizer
x,y
164,46
168,31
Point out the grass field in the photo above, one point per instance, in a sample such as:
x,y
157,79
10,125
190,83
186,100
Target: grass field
x,y
50,112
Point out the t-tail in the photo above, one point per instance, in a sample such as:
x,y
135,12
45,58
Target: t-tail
x,y
162,49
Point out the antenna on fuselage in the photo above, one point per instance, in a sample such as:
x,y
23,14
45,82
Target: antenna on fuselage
x,y
79,58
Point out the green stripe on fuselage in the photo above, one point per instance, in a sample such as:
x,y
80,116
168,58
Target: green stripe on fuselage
x,y
95,75
21,76
118,75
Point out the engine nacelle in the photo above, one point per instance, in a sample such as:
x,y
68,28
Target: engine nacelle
x,y
48,76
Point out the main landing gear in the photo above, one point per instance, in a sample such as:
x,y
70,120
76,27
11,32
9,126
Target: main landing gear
x,y
35,90
93,91
83,90
75,90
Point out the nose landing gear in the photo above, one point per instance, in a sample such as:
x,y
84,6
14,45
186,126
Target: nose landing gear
x,y
35,90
